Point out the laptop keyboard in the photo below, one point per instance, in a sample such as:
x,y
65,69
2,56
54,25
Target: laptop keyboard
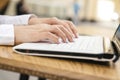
x,y
82,44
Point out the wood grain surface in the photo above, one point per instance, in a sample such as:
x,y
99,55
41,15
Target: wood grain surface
x,y
3,3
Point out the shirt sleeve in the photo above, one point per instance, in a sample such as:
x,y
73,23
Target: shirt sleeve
x,y
7,34
17,20
7,27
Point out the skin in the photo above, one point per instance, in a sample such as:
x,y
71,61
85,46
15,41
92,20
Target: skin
x,y
54,21
40,29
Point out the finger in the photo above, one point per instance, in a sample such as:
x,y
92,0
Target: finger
x,y
52,37
73,28
67,26
59,32
67,33
54,20
60,22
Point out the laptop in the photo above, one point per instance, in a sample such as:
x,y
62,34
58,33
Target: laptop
x,y
96,48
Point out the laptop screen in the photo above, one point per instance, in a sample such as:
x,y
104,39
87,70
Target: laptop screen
x,y
116,37
117,34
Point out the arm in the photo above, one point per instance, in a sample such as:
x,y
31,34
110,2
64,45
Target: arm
x,y
7,27
42,29
11,35
41,32
32,19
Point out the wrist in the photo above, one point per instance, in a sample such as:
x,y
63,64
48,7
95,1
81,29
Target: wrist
x,y
32,20
18,33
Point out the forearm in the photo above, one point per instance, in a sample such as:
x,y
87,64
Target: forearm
x,y
13,34
19,33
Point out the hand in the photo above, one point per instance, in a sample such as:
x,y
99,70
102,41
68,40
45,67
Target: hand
x,y
54,21
40,32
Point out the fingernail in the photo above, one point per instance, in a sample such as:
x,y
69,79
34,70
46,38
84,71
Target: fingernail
x,y
73,35
67,41
60,40
73,39
77,35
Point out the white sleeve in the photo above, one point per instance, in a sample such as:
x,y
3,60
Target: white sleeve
x,y
17,20
6,34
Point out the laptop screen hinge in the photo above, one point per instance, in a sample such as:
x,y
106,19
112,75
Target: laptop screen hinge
x,y
115,50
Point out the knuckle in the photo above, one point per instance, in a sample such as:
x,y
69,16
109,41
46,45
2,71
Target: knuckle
x,y
63,35
57,38
35,33
61,27
70,22
54,18
55,28
47,34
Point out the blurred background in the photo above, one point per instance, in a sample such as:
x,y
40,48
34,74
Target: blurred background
x,y
78,11
84,13
87,10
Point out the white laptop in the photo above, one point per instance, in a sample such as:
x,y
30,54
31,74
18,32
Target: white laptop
x,y
94,48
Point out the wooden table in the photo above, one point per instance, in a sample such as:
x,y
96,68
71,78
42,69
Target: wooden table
x,y
59,69
3,3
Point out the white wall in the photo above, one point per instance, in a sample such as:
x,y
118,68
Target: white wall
x,y
105,10
89,9
59,8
